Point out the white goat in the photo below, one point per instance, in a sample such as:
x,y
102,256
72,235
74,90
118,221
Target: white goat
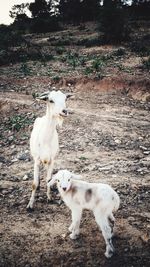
x,y
44,144
79,195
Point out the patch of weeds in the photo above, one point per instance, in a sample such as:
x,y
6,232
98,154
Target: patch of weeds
x,y
25,69
97,64
82,61
146,64
88,70
56,79
73,59
60,50
17,122
119,52
35,95
120,67
83,158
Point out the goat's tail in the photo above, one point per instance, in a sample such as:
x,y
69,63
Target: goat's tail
x,y
116,201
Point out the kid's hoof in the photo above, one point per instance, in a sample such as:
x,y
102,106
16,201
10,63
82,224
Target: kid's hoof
x,y
50,201
109,254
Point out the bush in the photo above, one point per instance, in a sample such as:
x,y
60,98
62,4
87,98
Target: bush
x,y
41,25
9,37
114,23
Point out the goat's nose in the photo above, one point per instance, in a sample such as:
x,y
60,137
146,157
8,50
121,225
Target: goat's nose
x,y
65,111
64,188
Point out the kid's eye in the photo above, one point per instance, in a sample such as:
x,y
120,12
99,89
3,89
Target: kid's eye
x,y
51,101
68,180
58,181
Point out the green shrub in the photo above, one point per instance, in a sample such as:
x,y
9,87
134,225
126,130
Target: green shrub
x,y
114,22
17,122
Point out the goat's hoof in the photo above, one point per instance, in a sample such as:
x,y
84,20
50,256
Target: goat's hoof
x,y
29,209
73,236
109,254
50,201
59,202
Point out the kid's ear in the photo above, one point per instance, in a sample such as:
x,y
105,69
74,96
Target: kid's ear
x,y
53,180
76,176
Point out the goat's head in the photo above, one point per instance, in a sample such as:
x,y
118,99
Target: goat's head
x,y
57,102
64,178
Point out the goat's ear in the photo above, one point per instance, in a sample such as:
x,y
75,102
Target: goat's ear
x,y
68,95
43,96
76,176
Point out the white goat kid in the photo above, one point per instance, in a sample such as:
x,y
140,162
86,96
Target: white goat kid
x,y
79,195
44,144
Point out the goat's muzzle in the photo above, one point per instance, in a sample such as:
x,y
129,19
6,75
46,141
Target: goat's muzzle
x,y
64,113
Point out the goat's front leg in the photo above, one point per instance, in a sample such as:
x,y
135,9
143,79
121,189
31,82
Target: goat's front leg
x,y
102,221
48,179
76,218
35,184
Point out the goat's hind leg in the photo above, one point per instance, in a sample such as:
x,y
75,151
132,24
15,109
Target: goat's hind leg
x,y
35,185
102,221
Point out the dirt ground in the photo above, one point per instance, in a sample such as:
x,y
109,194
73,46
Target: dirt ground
x,y
106,138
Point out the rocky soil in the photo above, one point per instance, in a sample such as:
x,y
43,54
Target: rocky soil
x,y
106,138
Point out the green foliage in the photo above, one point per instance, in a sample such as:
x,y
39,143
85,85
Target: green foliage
x,y
17,122
56,79
25,69
114,22
41,25
97,64
8,37
60,50
76,11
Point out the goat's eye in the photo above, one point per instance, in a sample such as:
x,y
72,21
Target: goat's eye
x,y
58,181
68,180
51,101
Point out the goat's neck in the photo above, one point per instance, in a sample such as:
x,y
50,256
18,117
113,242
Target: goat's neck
x,y
51,119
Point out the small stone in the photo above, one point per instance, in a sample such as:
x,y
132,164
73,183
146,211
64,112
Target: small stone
x,y
117,141
143,147
25,177
10,138
2,159
23,156
146,152
63,235
14,160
